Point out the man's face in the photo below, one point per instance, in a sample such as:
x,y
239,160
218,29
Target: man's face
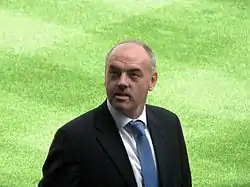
x,y
128,78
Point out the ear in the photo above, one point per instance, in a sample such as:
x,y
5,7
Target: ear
x,y
153,81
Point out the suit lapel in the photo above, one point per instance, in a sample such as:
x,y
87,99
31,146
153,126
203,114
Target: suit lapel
x,y
109,138
160,142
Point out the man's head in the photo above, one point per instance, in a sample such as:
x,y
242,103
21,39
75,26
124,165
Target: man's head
x,y
129,75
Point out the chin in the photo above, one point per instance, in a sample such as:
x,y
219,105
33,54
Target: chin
x,y
121,106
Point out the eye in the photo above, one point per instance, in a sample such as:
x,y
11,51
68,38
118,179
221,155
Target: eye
x,y
114,74
135,75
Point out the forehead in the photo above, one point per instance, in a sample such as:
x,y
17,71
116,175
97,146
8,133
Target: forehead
x,y
128,54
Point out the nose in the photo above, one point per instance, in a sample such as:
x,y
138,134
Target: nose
x,y
123,81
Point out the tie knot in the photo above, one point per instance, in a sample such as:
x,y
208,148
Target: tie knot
x,y
137,128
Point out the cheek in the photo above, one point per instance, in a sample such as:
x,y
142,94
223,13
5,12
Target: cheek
x,y
110,86
140,91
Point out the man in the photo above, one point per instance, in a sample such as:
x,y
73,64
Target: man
x,y
123,142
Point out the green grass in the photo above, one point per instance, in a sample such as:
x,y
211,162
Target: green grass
x,y
51,70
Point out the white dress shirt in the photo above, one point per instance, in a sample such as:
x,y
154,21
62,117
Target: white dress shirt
x,y
129,141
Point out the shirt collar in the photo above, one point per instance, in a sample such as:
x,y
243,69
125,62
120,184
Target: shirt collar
x,y
121,120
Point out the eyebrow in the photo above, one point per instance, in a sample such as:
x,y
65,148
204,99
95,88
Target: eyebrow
x,y
113,67
129,70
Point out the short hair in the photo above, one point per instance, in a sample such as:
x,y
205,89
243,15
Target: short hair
x,y
147,49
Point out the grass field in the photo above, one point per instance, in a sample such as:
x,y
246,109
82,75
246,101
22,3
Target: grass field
x,y
51,70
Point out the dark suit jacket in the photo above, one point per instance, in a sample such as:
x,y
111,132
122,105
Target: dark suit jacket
x,y
89,152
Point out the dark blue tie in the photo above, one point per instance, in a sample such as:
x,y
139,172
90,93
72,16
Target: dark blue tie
x,y
149,173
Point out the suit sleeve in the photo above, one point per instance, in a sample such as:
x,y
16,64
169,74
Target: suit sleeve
x,y
60,168
185,168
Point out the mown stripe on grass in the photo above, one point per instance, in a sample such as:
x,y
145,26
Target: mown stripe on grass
x,y
26,131
20,33
202,35
80,14
16,164
206,91
132,7
49,83
217,147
